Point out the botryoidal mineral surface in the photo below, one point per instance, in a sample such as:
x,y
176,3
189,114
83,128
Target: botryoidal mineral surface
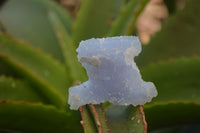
x,y
113,74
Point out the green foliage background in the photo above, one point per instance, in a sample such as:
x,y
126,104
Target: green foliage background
x,y
38,64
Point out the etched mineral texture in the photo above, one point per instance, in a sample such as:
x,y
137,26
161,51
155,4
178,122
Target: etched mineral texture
x,y
113,74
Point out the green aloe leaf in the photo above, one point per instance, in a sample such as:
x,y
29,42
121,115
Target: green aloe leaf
x,y
44,73
115,119
87,122
75,70
5,70
17,90
173,129
94,119
163,115
32,25
99,117
187,128
171,6
94,19
125,23
126,119
32,118
178,37
176,80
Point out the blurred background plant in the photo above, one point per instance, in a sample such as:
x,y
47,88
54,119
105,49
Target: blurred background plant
x,y
38,63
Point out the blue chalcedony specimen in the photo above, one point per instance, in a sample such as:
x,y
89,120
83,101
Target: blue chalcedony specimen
x,y
113,74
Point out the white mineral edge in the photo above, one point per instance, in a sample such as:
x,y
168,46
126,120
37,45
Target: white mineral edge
x,y
113,74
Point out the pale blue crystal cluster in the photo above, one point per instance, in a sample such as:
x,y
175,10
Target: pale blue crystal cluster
x,y
113,74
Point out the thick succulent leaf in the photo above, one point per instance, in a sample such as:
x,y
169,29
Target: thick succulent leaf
x,y
5,70
174,129
75,70
176,80
171,6
87,120
45,74
163,115
17,90
31,23
178,37
123,119
94,119
125,23
99,117
94,19
35,118
188,128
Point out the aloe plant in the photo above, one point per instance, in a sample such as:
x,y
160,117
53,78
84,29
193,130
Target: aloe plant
x,y
38,64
